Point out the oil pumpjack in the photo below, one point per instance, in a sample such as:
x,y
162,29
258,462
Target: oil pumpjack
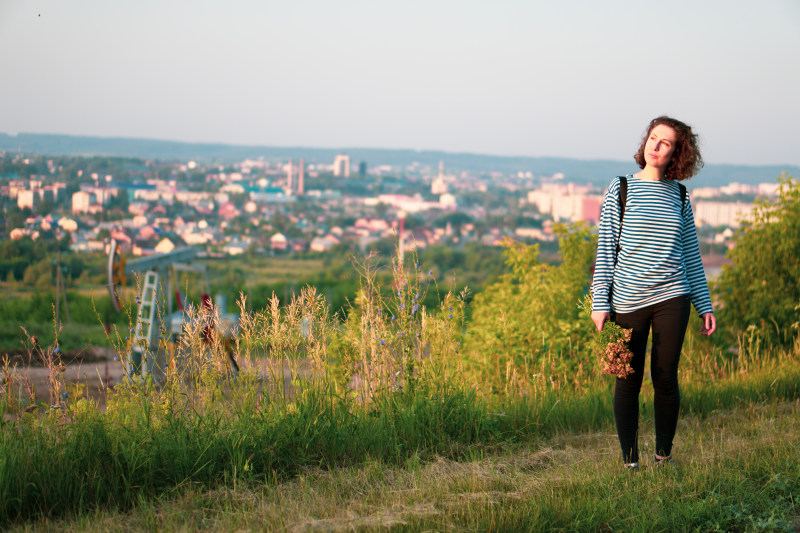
x,y
154,323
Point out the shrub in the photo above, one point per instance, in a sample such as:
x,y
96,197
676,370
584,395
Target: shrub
x,y
761,285
531,315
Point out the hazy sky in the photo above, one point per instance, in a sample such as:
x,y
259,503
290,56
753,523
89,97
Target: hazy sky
x,y
538,78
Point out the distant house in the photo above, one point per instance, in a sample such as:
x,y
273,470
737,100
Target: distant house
x,y
168,244
228,211
138,208
323,244
298,245
68,224
18,233
236,246
375,224
147,232
121,236
198,237
278,242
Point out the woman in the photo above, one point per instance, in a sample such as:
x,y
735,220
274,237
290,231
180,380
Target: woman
x,y
648,271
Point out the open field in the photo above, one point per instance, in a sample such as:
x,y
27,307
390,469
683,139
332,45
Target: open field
x,y
738,470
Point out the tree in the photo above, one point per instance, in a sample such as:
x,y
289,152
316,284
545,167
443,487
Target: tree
x,y
761,285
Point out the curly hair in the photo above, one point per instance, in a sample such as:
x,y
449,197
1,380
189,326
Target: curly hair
x,y
686,159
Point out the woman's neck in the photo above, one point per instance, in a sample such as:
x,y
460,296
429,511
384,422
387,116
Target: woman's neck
x,y
650,173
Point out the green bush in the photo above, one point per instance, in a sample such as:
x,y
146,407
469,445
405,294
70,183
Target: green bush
x,y
531,316
761,285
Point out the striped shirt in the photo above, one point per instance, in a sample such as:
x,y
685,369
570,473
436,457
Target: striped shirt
x,y
659,257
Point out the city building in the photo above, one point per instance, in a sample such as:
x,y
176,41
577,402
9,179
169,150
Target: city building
x,y
301,172
28,198
81,202
730,214
341,165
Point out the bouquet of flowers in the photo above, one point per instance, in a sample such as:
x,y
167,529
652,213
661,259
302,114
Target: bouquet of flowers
x,y
615,358
611,344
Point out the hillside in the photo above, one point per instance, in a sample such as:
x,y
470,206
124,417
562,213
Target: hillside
x,y
577,170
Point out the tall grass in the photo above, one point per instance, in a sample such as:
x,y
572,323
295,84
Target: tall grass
x,y
385,384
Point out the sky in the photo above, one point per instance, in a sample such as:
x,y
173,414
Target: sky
x,y
573,78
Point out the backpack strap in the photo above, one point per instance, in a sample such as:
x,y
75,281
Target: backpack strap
x,y
623,198
682,187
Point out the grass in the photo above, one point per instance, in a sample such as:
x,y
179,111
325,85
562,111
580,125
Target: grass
x,y
380,399
73,339
739,470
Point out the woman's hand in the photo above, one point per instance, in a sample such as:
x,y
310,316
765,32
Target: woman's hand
x,y
709,323
599,318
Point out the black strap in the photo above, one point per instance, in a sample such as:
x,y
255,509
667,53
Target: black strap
x,y
623,198
683,197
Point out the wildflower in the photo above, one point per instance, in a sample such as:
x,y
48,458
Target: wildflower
x,y
57,349
458,342
126,338
414,309
131,330
392,318
451,316
64,395
380,311
402,307
416,297
400,293
418,335
383,342
450,309
399,335
115,358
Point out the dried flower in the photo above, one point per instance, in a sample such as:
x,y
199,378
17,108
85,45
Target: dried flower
x,y
615,358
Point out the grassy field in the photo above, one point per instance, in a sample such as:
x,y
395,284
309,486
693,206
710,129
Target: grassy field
x,y
738,470
393,417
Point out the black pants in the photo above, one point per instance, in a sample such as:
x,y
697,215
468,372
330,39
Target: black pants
x,y
668,320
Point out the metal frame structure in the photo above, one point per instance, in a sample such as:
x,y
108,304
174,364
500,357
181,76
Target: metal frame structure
x,y
146,358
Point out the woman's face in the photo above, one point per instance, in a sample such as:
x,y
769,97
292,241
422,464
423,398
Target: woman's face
x,y
660,146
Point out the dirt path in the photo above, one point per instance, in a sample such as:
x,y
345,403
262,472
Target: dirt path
x,y
98,371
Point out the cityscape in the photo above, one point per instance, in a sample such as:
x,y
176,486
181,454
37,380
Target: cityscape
x,y
287,206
